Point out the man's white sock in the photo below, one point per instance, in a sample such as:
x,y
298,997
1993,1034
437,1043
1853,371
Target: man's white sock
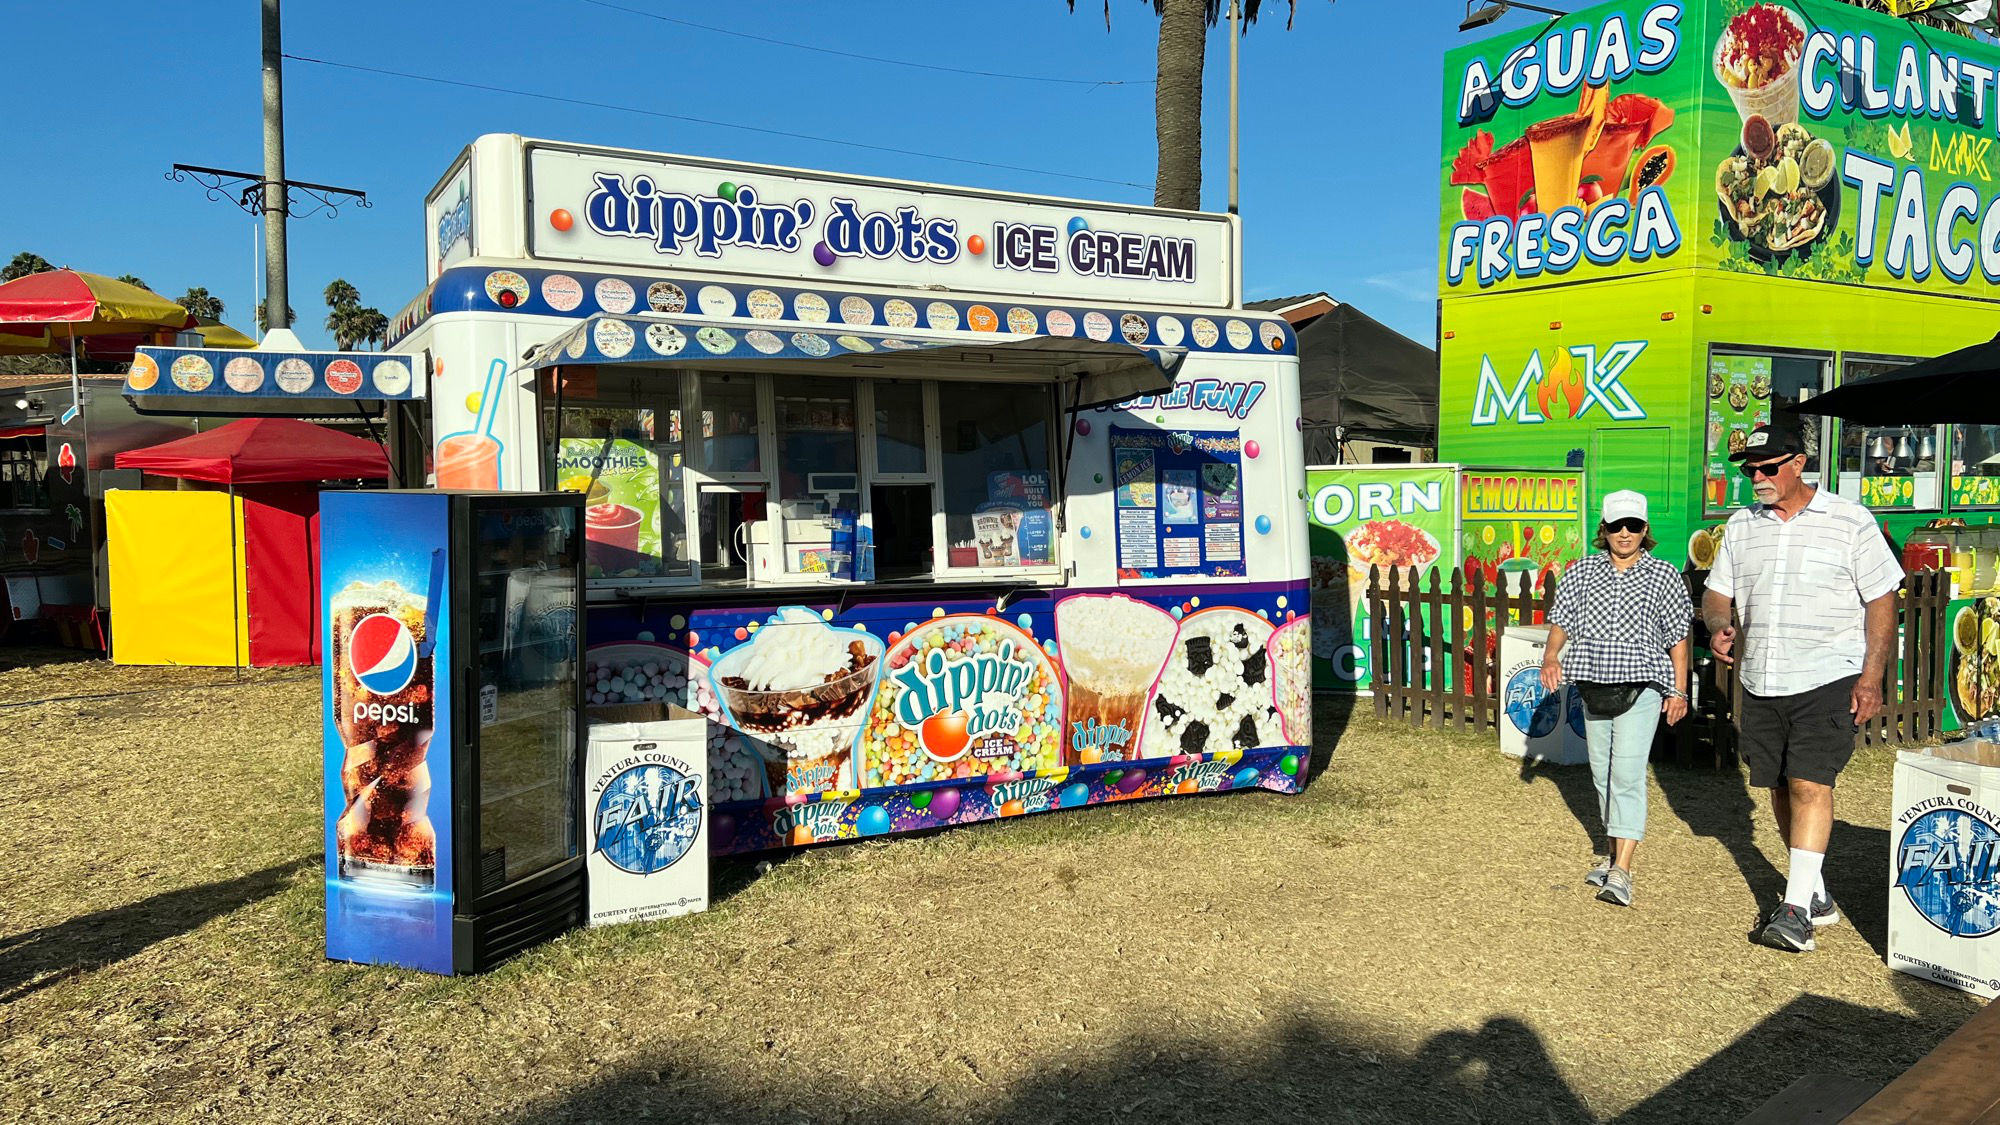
x,y
1819,882
1804,878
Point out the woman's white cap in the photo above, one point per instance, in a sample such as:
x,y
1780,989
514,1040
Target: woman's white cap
x,y
1626,505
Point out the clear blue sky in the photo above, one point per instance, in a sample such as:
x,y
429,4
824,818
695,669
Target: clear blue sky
x,y
1340,122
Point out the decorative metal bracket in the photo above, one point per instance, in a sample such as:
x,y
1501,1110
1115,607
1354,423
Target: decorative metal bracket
x,y
246,190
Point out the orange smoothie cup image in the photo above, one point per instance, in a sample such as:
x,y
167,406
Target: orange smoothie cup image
x,y
1113,648
611,535
468,461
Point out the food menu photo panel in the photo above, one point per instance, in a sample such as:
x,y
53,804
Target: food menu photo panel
x,y
1403,517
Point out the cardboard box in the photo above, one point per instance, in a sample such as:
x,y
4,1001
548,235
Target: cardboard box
x,y
646,813
1535,724
1944,866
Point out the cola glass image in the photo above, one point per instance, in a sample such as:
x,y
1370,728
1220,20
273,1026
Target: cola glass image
x,y
383,693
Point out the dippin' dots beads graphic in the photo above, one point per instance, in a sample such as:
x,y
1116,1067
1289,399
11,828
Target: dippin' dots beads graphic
x,y
964,696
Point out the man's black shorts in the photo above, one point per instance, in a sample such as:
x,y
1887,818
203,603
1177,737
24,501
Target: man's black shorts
x,y
1809,736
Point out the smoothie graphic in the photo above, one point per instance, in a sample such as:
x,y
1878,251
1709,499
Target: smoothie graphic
x,y
802,687
472,459
612,536
1113,648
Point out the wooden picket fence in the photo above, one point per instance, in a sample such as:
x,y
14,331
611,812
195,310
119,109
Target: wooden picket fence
x,y
1435,659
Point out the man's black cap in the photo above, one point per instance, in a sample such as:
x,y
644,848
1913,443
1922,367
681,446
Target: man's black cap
x,y
1780,437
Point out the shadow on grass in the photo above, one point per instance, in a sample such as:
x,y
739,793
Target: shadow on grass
x,y
1810,1035
1578,791
1716,803
1311,1071
1303,1072
1854,877
33,960
1332,715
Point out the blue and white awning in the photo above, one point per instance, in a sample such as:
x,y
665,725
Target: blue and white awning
x,y
1102,371
233,381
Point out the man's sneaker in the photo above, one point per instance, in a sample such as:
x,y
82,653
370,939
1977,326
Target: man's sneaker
x,y
1617,887
1824,912
1597,874
1788,928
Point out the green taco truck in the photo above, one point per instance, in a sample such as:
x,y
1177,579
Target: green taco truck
x,y
1664,220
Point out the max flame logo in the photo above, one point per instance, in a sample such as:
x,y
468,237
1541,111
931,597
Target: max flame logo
x,y
1573,381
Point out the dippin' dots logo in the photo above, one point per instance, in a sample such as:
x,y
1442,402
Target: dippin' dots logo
x,y
813,823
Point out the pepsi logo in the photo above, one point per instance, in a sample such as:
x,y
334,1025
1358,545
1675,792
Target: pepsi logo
x,y
381,654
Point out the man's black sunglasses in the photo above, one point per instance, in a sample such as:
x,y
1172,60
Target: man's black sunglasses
x,y
1630,526
1767,469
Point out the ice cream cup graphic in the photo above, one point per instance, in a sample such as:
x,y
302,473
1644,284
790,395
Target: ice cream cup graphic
x,y
1777,98
1113,649
803,685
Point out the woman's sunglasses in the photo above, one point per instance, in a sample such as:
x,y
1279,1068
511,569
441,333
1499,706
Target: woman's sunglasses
x,y
1767,469
1629,526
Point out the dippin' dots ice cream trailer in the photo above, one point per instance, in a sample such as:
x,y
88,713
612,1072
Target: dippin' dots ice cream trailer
x,y
942,505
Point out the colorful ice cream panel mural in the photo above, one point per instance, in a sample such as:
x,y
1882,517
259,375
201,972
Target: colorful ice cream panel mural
x,y
827,724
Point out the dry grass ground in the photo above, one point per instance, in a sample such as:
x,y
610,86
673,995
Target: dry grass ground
x,y
1408,941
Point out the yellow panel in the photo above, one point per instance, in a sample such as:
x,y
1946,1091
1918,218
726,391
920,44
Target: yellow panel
x,y
176,596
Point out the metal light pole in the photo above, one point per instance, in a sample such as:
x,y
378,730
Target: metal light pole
x,y
1235,36
276,306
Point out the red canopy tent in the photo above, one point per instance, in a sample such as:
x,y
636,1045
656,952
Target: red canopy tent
x,y
274,465
263,451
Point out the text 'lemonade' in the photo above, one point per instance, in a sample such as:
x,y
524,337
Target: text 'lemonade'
x,y
383,694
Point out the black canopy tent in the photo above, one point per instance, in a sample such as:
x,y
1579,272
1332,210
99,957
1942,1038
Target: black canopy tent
x,y
1960,388
1362,380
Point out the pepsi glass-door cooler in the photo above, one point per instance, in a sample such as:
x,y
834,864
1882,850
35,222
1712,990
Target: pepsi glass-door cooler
x,y
453,724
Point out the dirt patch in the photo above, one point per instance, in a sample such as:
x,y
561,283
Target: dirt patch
x,y
1408,940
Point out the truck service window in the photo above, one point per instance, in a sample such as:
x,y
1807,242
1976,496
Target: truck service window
x,y
998,491
620,441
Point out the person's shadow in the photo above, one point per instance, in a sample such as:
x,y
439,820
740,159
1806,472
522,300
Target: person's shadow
x,y
1717,803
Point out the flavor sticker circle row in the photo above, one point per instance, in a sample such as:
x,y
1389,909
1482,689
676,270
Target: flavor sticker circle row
x,y
194,373
564,293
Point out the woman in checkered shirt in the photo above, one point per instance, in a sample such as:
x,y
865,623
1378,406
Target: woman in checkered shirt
x,y
1619,632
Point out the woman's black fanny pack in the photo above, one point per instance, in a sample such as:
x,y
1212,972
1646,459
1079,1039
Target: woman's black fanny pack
x,y
1608,701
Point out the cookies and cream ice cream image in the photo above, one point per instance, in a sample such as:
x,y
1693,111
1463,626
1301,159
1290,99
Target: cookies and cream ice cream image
x,y
802,685
1215,693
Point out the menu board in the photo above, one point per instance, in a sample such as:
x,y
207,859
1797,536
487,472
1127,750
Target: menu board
x,y
1739,400
1179,498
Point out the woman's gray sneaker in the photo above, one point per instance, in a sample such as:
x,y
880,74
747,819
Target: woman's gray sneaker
x,y
1597,874
1617,887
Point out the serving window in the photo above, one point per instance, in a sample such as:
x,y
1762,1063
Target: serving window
x,y
793,478
1889,468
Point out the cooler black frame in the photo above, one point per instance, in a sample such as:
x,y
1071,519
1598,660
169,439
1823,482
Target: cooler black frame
x,y
488,928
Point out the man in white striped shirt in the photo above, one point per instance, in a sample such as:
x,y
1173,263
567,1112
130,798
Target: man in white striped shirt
x,y
1815,587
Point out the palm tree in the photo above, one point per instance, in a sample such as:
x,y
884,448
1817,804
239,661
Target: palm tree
x,y
199,303
134,279
371,327
1183,49
341,295
25,263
